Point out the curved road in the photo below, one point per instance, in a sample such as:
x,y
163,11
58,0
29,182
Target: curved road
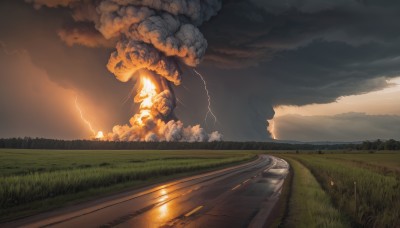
x,y
240,196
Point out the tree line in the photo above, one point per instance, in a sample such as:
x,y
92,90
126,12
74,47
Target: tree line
x,y
42,143
390,144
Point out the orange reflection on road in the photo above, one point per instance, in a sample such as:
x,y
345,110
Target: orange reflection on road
x,y
163,210
164,195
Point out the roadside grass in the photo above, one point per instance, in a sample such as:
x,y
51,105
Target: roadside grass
x,y
377,191
309,205
39,176
382,162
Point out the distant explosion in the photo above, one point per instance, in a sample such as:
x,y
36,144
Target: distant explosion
x,y
152,38
156,120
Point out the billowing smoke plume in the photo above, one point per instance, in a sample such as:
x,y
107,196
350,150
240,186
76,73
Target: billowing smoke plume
x,y
152,38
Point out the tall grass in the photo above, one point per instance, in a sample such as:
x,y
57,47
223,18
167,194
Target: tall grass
x,y
309,205
385,163
19,189
378,195
23,161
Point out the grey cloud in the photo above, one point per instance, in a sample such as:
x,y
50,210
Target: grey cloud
x,y
150,35
301,52
248,32
84,34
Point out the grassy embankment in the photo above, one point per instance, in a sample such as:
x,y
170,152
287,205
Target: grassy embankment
x,y
309,205
37,180
376,200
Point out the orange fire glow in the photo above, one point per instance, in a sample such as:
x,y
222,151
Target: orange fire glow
x,y
145,96
155,120
99,135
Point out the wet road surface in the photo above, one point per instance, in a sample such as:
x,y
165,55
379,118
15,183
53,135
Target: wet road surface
x,y
240,196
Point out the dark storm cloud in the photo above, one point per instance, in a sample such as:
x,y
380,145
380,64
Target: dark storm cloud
x,y
247,32
260,54
301,52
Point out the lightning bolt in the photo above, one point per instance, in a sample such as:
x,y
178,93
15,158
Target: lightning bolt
x,y
210,111
83,118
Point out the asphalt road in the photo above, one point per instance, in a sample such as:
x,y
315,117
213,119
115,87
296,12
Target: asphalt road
x,y
240,196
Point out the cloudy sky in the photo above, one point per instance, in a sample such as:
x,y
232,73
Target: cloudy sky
x,y
319,70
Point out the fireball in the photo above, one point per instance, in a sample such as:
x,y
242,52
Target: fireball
x,y
99,135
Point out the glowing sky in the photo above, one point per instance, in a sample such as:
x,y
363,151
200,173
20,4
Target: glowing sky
x,y
381,102
349,118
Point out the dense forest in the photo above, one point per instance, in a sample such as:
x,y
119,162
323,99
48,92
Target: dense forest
x,y
41,143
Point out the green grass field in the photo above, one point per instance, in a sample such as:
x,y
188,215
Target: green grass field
x,y
376,200
321,193
36,180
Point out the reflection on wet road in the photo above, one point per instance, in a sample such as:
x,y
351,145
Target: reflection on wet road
x,y
239,196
